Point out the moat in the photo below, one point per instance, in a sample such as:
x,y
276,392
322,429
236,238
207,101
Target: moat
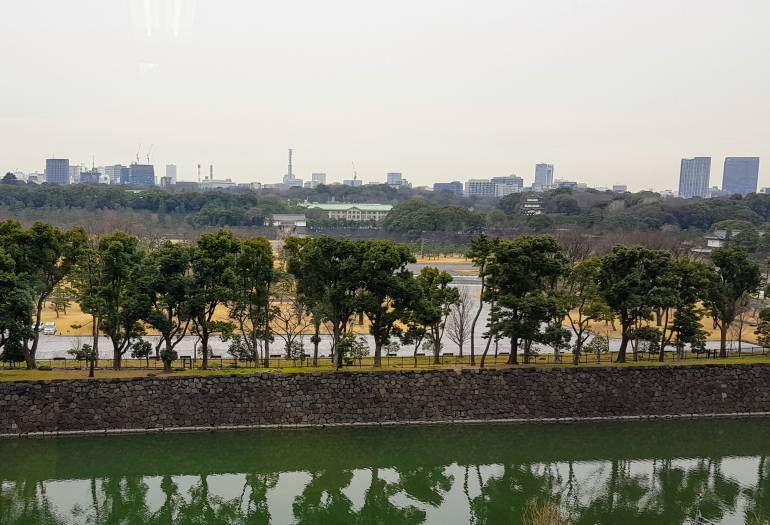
x,y
646,472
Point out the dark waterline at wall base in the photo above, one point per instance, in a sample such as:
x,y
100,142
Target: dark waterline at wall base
x,y
464,422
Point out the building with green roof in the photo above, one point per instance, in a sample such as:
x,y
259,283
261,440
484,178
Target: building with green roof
x,y
353,212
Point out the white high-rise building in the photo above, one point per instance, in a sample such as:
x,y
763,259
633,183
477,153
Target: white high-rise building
x,y
75,172
480,188
171,173
394,179
113,173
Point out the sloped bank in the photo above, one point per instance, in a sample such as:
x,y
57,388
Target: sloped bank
x,y
268,399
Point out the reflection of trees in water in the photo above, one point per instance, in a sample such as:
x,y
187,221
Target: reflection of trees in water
x,y
758,496
504,498
667,493
322,500
378,509
25,502
426,484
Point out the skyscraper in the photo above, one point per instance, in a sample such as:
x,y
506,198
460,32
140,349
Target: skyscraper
x,y
57,171
740,175
171,173
694,177
142,175
543,176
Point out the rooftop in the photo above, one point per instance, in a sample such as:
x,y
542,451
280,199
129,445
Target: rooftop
x,y
342,206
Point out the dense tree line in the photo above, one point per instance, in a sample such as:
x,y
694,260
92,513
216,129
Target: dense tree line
x,y
590,210
533,285
214,208
418,211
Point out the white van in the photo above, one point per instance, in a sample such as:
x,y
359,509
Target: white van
x,y
49,328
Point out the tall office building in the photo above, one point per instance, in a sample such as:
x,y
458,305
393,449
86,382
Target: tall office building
x,y
543,176
394,179
507,185
142,175
170,174
740,175
57,171
114,173
480,188
694,177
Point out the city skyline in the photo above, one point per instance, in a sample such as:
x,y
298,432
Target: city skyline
x,y
438,91
543,178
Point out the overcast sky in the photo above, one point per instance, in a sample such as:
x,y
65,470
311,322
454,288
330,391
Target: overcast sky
x,y
610,91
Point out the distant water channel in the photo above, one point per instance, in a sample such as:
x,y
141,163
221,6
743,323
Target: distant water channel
x,y
656,473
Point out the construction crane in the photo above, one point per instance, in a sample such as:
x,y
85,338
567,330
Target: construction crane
x,y
138,151
355,173
148,153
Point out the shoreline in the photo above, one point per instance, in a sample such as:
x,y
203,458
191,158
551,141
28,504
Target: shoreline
x,y
448,422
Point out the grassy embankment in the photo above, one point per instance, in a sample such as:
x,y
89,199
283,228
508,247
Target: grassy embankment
x,y
395,364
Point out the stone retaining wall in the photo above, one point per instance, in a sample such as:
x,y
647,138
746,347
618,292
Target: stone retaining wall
x,y
266,399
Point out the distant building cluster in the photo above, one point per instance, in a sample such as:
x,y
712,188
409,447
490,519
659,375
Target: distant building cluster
x,y
740,176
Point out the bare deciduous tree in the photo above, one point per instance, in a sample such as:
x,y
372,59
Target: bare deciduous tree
x,y
289,315
743,314
460,319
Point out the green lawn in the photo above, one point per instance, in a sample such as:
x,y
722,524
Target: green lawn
x,y
72,370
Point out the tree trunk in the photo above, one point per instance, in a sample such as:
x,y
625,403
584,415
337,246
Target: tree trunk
x,y
513,359
336,329
662,353
316,342
377,353
205,349
95,346
578,348
29,353
723,339
623,345
436,348
167,358
473,324
484,355
116,356
267,330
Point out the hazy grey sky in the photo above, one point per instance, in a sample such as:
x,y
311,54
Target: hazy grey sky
x,y
608,90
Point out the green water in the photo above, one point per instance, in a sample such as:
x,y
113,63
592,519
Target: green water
x,y
619,473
